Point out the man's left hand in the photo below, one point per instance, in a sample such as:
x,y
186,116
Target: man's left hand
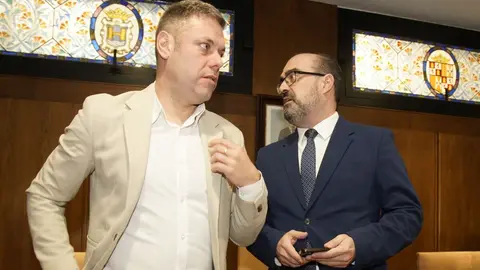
x,y
340,255
232,161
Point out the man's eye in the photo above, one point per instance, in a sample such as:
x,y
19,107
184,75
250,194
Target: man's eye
x,y
205,46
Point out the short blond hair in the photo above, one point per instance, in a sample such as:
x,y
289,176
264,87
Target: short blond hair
x,y
177,14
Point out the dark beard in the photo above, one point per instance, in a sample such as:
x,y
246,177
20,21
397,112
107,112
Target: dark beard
x,y
294,115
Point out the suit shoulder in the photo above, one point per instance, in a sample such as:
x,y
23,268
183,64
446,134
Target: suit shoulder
x,y
273,147
371,131
103,108
103,101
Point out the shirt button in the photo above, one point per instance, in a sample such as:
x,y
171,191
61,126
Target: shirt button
x,y
307,221
183,236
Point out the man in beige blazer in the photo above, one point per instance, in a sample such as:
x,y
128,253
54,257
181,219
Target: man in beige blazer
x,y
170,182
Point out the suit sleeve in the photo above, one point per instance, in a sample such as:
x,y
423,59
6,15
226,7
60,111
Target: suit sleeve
x,y
248,214
265,247
57,183
402,216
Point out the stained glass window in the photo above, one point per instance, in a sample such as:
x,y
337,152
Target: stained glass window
x,y
90,31
414,68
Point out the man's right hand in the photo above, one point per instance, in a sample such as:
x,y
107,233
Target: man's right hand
x,y
286,253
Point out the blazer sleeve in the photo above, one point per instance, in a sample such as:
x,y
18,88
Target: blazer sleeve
x,y
402,216
247,217
265,246
57,183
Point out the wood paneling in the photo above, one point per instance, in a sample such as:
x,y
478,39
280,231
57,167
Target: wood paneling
x,y
285,29
29,132
21,87
412,120
459,218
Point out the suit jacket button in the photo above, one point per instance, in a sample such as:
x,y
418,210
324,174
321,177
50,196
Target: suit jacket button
x,y
307,221
259,208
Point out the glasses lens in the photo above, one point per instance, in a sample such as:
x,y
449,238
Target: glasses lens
x,y
290,79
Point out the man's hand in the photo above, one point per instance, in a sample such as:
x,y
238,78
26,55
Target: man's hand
x,y
286,253
341,253
233,162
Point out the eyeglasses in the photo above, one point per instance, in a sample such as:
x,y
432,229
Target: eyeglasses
x,y
291,77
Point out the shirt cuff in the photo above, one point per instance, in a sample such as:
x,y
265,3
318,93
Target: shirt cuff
x,y
277,262
251,192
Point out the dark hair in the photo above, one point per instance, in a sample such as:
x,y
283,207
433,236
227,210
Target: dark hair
x,y
324,63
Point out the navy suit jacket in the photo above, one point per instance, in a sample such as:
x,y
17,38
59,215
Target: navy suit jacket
x,y
362,190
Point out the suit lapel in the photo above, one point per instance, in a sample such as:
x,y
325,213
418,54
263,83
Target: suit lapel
x,y
340,140
290,158
137,127
208,131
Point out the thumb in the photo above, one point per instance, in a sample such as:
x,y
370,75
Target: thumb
x,y
335,241
297,234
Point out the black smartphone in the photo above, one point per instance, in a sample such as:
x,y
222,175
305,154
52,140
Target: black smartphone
x,y
309,251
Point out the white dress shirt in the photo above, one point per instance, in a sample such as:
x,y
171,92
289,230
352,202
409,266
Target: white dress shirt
x,y
169,227
325,130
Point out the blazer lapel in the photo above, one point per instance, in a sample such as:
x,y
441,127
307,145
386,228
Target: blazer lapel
x,y
137,127
208,131
341,139
290,158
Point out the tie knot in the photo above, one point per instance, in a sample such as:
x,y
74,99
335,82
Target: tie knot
x,y
311,133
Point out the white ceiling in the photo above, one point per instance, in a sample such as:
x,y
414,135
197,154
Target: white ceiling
x,y
457,13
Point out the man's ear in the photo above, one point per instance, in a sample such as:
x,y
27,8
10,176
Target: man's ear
x,y
165,44
329,83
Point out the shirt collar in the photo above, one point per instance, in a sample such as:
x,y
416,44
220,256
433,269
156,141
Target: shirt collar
x,y
324,128
193,119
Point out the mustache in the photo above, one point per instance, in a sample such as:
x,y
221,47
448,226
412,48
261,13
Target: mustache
x,y
287,96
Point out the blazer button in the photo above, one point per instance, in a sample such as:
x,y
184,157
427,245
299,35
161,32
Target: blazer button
x,y
307,221
259,208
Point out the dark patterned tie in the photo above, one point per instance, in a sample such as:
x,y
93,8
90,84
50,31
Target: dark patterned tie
x,y
308,174
308,165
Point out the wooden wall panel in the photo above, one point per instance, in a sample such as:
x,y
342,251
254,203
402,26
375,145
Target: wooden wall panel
x,y
412,120
284,29
30,131
459,187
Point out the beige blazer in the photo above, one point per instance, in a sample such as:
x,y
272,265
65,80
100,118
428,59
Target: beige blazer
x,y
109,140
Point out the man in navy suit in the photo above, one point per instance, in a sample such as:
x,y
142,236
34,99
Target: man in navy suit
x,y
332,183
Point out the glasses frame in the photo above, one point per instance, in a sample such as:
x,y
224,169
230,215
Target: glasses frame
x,y
295,72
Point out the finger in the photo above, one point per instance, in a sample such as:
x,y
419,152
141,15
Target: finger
x,y
298,234
218,148
345,258
221,168
221,158
332,253
335,241
224,142
285,259
293,254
